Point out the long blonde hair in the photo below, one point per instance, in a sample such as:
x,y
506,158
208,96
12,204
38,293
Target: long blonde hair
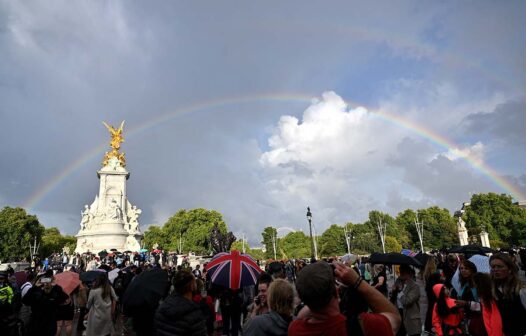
x,y
280,297
431,267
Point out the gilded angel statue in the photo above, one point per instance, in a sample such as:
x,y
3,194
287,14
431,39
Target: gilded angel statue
x,y
116,135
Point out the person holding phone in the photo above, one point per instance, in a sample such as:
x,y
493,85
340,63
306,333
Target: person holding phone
x,y
44,298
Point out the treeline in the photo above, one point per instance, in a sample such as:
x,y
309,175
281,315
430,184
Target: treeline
x,y
189,230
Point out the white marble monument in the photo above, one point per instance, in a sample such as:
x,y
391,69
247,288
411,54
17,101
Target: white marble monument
x,y
111,221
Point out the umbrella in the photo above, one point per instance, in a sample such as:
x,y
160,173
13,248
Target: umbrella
x,y
113,250
90,276
393,258
233,270
68,281
105,267
482,263
143,250
145,290
128,251
112,275
103,254
471,249
21,278
422,258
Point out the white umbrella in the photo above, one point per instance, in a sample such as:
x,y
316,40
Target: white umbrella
x,y
482,263
113,274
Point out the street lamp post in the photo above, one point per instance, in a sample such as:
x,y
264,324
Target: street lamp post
x,y
309,218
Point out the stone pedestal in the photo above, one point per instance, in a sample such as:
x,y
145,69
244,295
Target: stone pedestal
x,y
484,239
110,222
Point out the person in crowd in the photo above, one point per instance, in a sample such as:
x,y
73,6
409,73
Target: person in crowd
x,y
510,292
449,268
230,303
431,277
276,269
206,304
380,279
179,314
25,311
467,295
81,301
44,298
260,305
447,316
406,294
6,300
101,307
276,323
197,272
321,316
65,314
487,307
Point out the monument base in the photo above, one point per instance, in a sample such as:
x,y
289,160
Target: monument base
x,y
96,242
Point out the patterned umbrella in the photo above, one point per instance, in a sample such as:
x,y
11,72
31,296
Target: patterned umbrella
x,y
233,270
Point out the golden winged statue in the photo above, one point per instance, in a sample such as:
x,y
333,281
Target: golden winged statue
x,y
115,143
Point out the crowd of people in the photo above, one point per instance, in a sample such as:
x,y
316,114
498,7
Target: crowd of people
x,y
336,296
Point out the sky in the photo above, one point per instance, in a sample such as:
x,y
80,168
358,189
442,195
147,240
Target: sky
x,y
258,109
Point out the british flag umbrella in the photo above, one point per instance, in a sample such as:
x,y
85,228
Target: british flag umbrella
x,y
233,270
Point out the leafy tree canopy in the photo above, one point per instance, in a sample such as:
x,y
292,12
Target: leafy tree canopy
x,y
269,234
54,242
17,230
295,245
332,241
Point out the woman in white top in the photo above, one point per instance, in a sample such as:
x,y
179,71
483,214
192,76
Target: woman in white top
x,y
101,305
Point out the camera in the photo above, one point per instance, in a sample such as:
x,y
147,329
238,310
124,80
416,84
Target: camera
x,y
45,280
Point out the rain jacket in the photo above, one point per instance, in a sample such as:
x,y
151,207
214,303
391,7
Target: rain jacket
x,y
452,321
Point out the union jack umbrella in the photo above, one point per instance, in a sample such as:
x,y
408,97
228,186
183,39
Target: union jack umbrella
x,y
233,270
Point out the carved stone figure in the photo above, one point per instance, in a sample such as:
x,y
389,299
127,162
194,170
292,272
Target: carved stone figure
x,y
114,210
132,244
134,214
86,218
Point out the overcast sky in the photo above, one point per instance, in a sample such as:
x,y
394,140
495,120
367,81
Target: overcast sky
x,y
258,109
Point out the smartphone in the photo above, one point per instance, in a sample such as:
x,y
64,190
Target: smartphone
x,y
258,301
45,280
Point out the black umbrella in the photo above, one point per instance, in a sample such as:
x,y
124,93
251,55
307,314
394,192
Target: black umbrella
x,y
422,258
105,267
393,259
471,249
103,254
113,250
145,291
90,276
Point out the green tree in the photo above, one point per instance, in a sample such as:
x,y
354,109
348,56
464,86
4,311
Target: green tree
x,y
192,228
504,221
332,241
440,228
256,254
391,227
54,242
155,235
392,245
295,245
17,231
269,234
366,239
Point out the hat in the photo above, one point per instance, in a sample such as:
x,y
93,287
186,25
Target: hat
x,y
315,285
437,289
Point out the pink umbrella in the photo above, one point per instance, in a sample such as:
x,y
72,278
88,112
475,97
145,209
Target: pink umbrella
x,y
21,277
68,281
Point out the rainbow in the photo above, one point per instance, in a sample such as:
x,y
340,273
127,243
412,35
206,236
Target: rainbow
x,y
423,132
